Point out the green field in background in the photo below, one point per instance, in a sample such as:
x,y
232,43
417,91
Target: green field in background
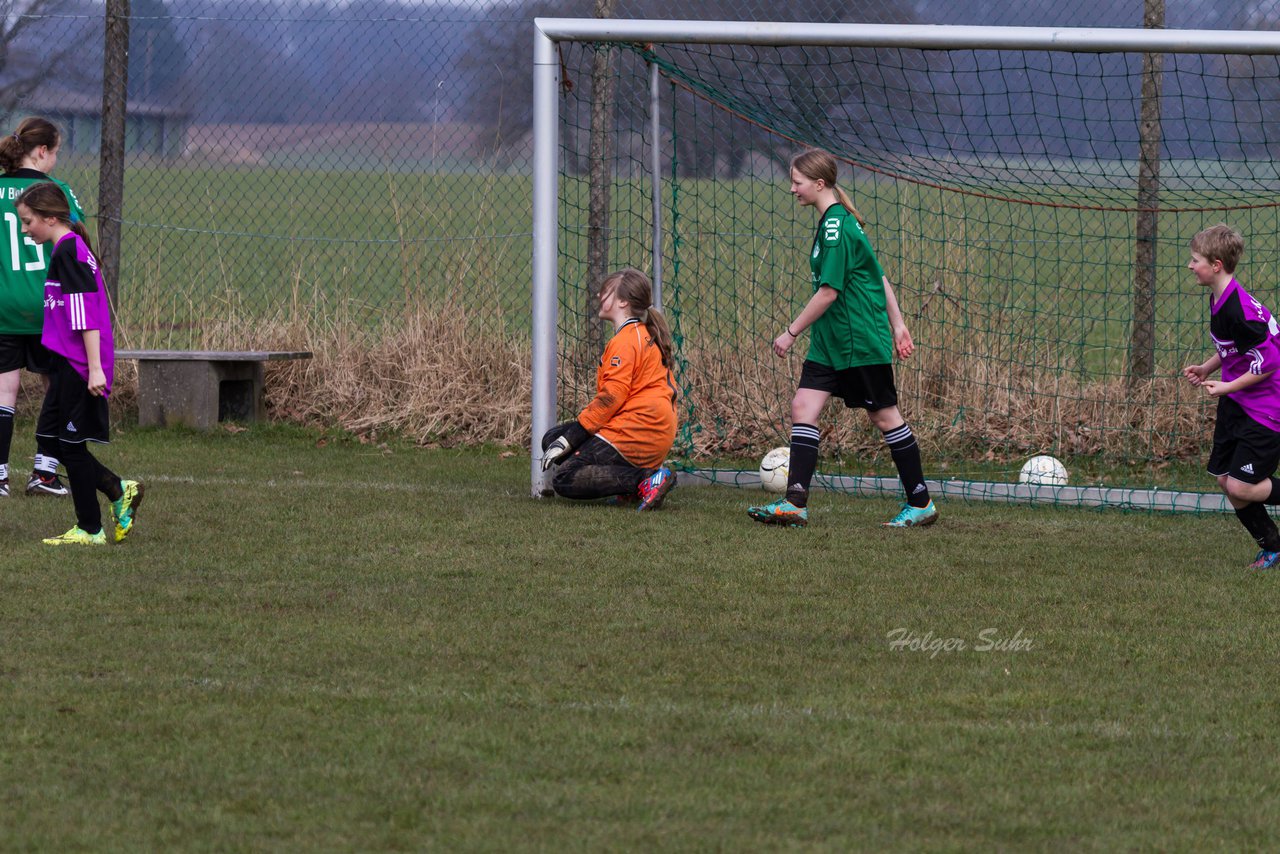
x,y
256,239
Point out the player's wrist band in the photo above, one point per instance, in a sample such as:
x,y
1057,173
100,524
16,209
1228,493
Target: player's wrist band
x,y
792,334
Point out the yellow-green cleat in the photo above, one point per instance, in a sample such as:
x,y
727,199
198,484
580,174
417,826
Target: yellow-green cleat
x,y
124,510
78,537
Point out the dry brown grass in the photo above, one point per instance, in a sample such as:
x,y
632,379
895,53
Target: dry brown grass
x,y
430,375
958,406
441,375
998,411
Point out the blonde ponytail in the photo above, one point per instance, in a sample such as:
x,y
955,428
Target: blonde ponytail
x,y
848,205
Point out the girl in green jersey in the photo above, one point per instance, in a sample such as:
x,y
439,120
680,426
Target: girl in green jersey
x,y
855,329
26,157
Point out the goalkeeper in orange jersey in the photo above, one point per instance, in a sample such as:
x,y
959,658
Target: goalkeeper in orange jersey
x,y
618,444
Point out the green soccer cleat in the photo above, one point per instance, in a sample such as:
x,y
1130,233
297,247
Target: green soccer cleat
x,y
914,517
78,537
124,510
780,512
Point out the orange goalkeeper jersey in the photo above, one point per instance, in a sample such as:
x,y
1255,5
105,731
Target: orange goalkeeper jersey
x,y
635,405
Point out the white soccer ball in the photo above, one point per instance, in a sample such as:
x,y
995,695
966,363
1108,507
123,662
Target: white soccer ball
x,y
774,470
1043,470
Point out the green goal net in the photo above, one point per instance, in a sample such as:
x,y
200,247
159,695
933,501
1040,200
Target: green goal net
x,y
1032,206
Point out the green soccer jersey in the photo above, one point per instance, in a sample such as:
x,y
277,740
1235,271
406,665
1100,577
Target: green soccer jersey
x,y
854,330
22,261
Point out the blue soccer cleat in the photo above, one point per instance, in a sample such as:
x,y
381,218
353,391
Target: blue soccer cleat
x,y
914,517
654,488
1266,560
780,512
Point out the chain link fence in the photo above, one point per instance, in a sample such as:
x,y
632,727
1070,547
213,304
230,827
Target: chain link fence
x,y
333,163
355,155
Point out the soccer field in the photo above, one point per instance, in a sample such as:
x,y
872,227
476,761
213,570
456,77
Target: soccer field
x,y
315,644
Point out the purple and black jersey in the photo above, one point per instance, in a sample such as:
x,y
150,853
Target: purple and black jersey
x,y
74,301
1245,335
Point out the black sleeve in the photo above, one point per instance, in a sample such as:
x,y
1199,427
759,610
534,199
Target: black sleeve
x,y
574,432
1246,334
75,277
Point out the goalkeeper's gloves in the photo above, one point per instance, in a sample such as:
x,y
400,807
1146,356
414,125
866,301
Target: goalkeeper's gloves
x,y
558,450
571,436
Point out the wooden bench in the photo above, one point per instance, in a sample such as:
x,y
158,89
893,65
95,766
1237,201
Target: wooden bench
x,y
199,388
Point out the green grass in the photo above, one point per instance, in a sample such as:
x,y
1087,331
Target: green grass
x,y
200,244
315,644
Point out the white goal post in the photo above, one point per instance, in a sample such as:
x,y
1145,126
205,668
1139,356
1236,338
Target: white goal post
x,y
548,32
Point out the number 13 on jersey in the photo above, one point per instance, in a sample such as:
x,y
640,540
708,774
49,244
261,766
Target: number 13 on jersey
x,y
16,241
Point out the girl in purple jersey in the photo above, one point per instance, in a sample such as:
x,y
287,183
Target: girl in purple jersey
x,y
77,331
1246,436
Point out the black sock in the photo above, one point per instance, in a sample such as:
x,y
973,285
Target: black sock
x,y
109,483
906,456
6,433
804,461
1274,497
1260,526
81,476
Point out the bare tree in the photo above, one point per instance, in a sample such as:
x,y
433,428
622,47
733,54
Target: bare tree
x,y
819,96
497,67
1254,82
809,98
157,59
1142,337
34,47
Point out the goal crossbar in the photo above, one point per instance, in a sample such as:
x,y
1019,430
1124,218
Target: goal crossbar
x,y
922,36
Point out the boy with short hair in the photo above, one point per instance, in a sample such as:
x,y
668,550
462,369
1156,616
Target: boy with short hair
x,y
1246,437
